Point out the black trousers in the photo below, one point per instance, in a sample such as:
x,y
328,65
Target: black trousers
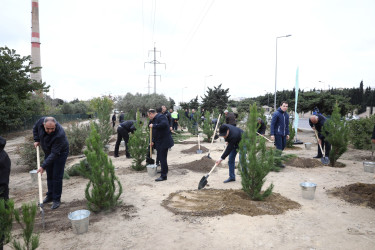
x,y
55,174
122,134
326,146
162,154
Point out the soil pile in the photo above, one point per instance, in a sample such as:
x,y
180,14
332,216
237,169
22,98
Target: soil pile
x,y
219,202
194,149
203,165
357,193
300,162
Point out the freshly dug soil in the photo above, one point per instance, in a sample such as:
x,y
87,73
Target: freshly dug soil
x,y
188,142
203,165
194,149
300,162
219,202
357,193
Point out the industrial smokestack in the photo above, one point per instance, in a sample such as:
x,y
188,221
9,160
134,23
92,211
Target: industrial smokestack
x,y
35,40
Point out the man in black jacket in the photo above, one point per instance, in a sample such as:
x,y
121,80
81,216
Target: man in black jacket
x,y
4,171
232,136
123,131
161,140
113,119
316,123
50,135
165,112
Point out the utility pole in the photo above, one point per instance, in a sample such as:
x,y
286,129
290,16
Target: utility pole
x,y
155,62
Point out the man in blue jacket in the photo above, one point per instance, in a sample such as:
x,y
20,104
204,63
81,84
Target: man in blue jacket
x,y
232,136
123,131
280,126
161,140
50,135
316,123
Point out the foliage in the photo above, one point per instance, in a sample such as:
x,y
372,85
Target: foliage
x,y
130,102
102,195
360,131
79,169
335,131
28,155
178,137
77,135
138,143
17,89
183,121
292,133
6,220
103,107
26,221
215,98
208,127
255,162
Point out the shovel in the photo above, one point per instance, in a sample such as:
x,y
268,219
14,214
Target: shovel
x,y
213,137
40,187
149,160
199,151
265,137
325,159
203,182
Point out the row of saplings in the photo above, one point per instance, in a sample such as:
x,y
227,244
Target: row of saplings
x,y
104,188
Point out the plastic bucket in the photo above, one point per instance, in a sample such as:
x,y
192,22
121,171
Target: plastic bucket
x,y
308,145
308,190
369,166
80,221
34,176
152,169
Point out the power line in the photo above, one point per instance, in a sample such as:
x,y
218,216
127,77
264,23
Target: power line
x,y
155,62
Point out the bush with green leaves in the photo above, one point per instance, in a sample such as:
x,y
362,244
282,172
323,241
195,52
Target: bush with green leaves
x,y
27,153
292,133
103,107
6,221
255,161
77,135
360,132
335,131
138,145
26,220
208,128
101,189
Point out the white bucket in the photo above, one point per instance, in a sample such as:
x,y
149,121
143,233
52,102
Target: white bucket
x,y
369,166
80,221
152,169
308,190
308,145
34,176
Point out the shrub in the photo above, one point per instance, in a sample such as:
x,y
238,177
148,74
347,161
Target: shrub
x,y
27,154
256,163
292,133
138,143
102,195
103,107
6,221
360,132
208,128
77,135
80,169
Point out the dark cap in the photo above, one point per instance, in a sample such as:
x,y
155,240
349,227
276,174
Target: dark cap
x,y
223,130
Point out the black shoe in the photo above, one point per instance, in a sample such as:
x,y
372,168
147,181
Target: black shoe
x,y
229,180
161,179
128,157
47,200
117,156
282,166
55,204
317,156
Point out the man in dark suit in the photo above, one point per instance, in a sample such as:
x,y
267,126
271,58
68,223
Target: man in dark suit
x,y
317,123
4,171
123,131
161,140
262,126
50,135
113,119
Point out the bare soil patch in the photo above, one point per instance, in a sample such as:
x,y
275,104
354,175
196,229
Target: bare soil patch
x,y
219,202
293,148
203,165
194,149
188,142
357,193
301,162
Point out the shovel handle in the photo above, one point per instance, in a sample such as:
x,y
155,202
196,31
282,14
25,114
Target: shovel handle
x,y
199,143
265,137
213,135
212,169
39,177
317,138
150,143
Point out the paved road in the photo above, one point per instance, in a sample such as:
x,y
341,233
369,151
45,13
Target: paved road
x,y
303,123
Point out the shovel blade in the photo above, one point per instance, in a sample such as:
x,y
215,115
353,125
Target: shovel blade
x,y
199,151
150,160
325,160
203,182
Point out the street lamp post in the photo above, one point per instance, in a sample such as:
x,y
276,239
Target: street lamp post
x,y
276,68
205,78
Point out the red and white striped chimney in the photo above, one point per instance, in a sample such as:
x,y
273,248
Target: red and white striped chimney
x,y
35,40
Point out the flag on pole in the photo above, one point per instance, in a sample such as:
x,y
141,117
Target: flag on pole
x,y
296,118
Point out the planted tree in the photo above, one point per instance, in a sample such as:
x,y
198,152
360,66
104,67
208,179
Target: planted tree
x,y
208,129
360,131
103,107
335,131
26,220
256,163
6,221
138,143
77,135
292,133
101,190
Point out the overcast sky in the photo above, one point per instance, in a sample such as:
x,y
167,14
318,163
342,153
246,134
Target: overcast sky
x,y
90,48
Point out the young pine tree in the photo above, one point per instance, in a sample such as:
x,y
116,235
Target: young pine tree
x,y
335,131
255,161
292,133
138,143
103,107
208,129
6,221
26,221
102,181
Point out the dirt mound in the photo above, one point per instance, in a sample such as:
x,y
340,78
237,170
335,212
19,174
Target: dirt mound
x,y
57,220
357,193
300,162
203,165
194,149
188,142
218,202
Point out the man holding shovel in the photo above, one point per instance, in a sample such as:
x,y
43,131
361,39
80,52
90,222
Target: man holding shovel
x,y
123,131
316,123
232,136
50,135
